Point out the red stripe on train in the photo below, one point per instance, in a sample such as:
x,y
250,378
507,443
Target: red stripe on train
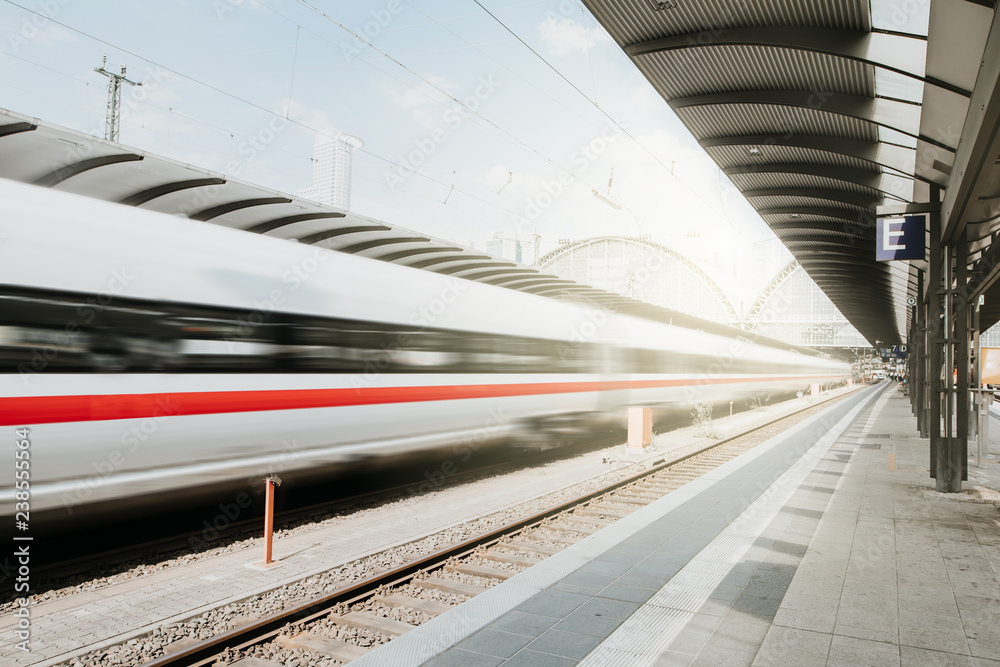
x,y
54,409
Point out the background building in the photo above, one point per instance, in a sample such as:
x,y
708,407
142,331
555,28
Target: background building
x,y
643,269
508,246
789,307
332,169
794,309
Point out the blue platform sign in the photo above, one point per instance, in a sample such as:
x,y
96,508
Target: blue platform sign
x,y
900,238
894,352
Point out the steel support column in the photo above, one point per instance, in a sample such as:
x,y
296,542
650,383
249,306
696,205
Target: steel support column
x,y
918,379
947,446
960,450
935,332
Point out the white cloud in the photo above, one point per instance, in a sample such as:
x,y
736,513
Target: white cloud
x,y
310,116
423,95
564,36
53,36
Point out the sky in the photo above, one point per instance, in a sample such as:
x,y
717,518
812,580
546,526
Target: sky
x,y
477,117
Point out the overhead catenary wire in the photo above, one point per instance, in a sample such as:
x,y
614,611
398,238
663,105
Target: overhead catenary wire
x,y
444,92
597,106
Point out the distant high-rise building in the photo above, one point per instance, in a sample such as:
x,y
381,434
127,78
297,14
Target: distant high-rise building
x,y
332,169
508,246
504,246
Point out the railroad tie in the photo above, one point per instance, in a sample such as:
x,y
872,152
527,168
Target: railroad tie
x,y
635,498
602,509
573,528
480,571
513,559
251,661
333,648
575,519
528,546
362,620
450,586
549,536
429,607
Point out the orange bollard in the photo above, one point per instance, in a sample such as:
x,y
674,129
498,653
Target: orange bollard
x,y
268,519
270,482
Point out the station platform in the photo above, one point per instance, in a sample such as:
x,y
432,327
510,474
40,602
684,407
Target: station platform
x,y
826,545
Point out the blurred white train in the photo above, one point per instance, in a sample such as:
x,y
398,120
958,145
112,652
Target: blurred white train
x,y
153,357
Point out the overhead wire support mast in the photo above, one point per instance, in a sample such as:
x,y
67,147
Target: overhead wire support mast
x,y
113,115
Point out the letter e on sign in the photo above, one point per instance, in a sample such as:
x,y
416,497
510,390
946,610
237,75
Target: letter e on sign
x,y
900,237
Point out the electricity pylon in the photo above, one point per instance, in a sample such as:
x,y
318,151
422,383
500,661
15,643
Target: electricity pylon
x,y
113,115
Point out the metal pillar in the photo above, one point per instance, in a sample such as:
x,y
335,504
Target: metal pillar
x,y
934,343
948,448
978,417
963,381
944,451
918,378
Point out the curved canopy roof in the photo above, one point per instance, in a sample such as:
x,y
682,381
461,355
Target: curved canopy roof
x,y
35,152
822,117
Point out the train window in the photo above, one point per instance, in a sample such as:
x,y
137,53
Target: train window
x,y
78,333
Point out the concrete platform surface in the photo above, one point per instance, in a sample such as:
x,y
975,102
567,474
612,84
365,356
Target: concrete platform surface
x,y
827,545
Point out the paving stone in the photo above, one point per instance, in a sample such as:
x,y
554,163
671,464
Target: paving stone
x,y
794,647
617,591
555,603
456,657
918,657
524,623
496,643
673,659
529,658
588,623
564,644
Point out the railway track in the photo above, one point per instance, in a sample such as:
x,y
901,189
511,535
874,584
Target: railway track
x,y
343,625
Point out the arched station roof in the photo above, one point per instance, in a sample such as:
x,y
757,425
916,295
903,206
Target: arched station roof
x,y
721,306
823,117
